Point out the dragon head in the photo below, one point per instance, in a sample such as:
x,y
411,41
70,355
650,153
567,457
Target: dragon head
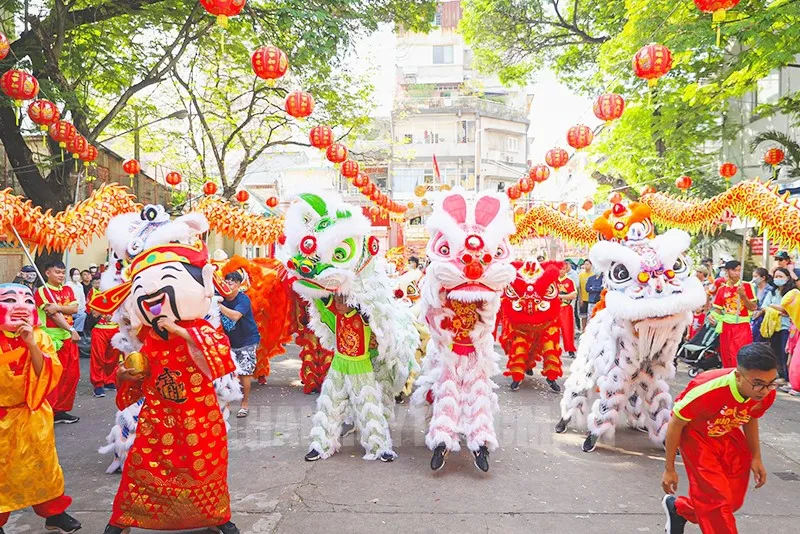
x,y
648,278
532,298
327,245
469,253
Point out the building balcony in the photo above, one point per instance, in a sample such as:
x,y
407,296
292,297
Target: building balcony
x,y
461,104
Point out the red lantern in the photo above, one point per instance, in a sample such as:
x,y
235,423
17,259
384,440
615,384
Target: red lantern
x,y
513,192
209,188
223,9
683,183
376,194
350,169
579,137
44,113
269,62
361,180
299,104
728,170
615,198
242,196
368,189
718,8
774,157
374,212
89,155
556,158
18,85
62,132
132,167
321,136
4,46
76,145
652,62
539,173
173,178
336,153
272,202
587,204
562,207
609,107
525,184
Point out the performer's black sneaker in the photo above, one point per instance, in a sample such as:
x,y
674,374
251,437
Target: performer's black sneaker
x,y
675,522
554,385
529,372
99,393
400,399
561,426
227,528
111,387
347,429
62,523
111,529
482,459
386,457
515,385
439,453
313,455
65,418
589,443
572,355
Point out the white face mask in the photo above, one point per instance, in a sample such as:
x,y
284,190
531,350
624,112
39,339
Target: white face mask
x,y
76,277
780,282
756,280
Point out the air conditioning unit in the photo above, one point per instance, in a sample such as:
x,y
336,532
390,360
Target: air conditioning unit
x,y
508,158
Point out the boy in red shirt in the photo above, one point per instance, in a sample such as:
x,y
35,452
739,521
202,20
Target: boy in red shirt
x,y
715,424
58,303
567,292
733,303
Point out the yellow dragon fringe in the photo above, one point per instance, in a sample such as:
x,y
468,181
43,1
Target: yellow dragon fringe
x,y
238,224
543,220
75,226
752,199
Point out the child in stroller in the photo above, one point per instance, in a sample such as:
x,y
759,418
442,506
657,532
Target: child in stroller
x,y
701,351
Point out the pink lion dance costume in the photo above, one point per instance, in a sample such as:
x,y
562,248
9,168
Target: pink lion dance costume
x,y
470,265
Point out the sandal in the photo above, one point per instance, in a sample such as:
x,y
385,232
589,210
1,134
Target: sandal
x,y
241,413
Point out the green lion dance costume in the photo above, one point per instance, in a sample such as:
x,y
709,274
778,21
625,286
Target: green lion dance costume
x,y
332,261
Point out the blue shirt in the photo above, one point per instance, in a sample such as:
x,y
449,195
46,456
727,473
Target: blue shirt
x,y
594,287
244,332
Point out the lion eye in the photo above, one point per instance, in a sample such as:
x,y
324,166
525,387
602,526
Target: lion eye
x,y
680,265
619,273
552,292
444,249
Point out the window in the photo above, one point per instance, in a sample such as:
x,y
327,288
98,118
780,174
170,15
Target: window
x,y
443,55
466,131
404,180
512,144
768,89
432,138
437,18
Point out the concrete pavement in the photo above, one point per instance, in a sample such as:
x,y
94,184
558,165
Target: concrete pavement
x,y
538,482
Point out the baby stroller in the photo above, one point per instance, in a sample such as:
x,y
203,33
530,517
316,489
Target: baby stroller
x,y
701,352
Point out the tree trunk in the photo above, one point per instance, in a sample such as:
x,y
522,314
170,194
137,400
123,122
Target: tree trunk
x,y
52,192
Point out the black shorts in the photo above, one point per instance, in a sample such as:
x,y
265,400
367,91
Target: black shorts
x,y
583,308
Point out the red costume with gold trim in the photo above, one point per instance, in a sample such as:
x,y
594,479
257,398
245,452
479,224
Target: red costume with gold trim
x,y
176,476
530,321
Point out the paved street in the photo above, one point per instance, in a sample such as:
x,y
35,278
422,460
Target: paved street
x,y
538,482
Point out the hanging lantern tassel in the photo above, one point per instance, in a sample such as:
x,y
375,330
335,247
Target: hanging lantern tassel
x,y
716,20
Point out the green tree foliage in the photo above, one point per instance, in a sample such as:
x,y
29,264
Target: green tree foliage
x,y
98,57
678,127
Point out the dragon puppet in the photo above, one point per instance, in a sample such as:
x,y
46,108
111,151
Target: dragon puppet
x,y
350,303
529,322
129,235
470,264
626,355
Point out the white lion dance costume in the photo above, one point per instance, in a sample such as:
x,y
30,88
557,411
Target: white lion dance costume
x,y
351,307
128,235
626,356
470,265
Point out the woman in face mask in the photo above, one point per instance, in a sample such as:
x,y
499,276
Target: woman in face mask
x,y
762,282
74,282
781,280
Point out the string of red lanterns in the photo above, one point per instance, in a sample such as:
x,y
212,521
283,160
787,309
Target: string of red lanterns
x,y
173,178
223,9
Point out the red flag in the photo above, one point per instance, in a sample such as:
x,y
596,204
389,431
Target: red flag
x,y
436,172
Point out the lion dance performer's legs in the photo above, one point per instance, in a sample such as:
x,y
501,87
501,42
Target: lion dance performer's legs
x,y
550,348
361,393
518,345
479,401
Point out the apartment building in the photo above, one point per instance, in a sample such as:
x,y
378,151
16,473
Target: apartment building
x,y
476,128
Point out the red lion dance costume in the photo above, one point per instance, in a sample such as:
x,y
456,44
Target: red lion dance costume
x,y
530,327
